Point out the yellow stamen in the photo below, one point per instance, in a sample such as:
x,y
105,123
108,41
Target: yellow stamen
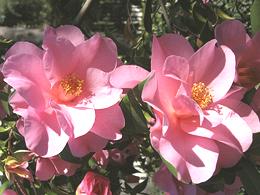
x,y
201,94
72,85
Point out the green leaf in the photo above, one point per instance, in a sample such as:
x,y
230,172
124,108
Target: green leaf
x,y
140,187
171,168
4,101
206,33
4,186
7,126
147,16
220,13
255,16
135,121
249,176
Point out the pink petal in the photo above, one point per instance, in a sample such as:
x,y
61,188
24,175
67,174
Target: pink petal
x,y
159,90
236,92
250,56
24,72
169,44
68,32
109,122
176,66
89,142
228,156
215,67
191,155
44,169
236,125
9,192
24,48
43,135
231,33
195,158
164,180
97,83
245,112
75,121
97,52
58,59
63,167
127,76
18,104
186,107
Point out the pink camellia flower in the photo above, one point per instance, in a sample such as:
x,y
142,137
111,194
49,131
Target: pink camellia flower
x,y
201,123
65,91
94,184
166,182
232,33
9,192
46,168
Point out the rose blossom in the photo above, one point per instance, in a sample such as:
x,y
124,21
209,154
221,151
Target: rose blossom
x,y
46,168
64,93
94,184
232,33
200,122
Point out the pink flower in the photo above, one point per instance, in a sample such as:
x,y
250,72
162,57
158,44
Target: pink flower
x,y
46,168
9,192
65,91
94,184
233,34
201,123
101,158
166,182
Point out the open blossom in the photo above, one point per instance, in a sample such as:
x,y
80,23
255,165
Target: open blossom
x,y
232,33
64,93
201,124
46,168
94,184
166,182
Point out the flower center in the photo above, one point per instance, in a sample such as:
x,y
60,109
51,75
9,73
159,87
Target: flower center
x,y
72,85
201,94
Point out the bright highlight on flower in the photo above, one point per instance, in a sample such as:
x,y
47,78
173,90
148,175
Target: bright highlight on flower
x,y
72,85
201,94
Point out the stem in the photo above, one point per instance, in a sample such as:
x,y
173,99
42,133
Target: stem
x,y
9,145
18,184
165,16
82,11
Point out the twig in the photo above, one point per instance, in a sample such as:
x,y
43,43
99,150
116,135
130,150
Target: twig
x,y
18,184
165,16
82,11
9,145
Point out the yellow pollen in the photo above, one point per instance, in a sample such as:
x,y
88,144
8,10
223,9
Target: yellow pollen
x,y
72,85
201,94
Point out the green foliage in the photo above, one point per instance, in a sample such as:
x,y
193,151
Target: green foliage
x,y
255,16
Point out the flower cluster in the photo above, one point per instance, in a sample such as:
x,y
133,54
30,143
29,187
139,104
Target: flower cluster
x,y
68,93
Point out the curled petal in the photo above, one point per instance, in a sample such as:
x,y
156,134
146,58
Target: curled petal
x,y
89,142
127,76
169,44
109,122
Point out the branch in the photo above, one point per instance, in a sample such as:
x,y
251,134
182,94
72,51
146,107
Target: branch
x,y
82,11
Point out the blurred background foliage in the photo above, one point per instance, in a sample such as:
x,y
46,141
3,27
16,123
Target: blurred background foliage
x,y
131,24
